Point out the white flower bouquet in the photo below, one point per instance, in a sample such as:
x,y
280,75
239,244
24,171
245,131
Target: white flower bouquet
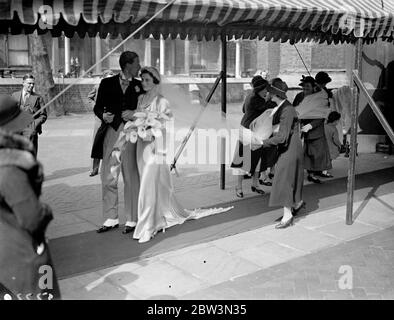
x,y
146,125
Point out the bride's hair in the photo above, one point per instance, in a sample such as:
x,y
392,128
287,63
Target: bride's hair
x,y
153,73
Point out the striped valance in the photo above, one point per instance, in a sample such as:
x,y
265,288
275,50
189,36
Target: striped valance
x,y
294,20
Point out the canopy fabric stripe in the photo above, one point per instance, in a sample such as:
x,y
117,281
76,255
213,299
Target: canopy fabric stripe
x,y
294,20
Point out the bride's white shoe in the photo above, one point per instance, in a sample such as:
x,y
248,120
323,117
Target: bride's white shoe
x,y
145,238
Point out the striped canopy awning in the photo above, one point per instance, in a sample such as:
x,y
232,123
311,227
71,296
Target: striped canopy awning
x,y
294,20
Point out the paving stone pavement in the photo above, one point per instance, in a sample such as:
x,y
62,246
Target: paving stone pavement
x,y
369,261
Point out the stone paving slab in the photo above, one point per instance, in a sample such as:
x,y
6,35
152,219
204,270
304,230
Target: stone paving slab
x,y
240,242
212,264
269,253
301,238
152,279
347,232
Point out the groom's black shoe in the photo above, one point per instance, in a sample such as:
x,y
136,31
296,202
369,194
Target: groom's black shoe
x,y
105,229
128,229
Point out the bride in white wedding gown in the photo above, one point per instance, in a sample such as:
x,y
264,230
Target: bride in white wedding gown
x,y
158,207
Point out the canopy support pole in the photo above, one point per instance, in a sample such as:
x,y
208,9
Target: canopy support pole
x,y
224,111
195,122
353,132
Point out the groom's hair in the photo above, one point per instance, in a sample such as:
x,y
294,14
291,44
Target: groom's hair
x,y
127,57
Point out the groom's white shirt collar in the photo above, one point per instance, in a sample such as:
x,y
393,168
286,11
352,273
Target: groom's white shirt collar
x,y
124,78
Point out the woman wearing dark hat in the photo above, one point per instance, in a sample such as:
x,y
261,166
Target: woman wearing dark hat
x,y
23,218
245,159
288,181
308,85
316,152
322,79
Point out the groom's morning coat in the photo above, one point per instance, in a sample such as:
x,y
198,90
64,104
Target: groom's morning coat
x,y
110,98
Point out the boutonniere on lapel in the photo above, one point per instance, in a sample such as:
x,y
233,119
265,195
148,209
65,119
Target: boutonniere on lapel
x,y
137,89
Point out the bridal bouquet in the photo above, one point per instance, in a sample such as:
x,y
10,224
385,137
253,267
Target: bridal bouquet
x,y
146,125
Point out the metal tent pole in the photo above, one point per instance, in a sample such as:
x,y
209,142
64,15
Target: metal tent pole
x,y
224,111
195,122
353,132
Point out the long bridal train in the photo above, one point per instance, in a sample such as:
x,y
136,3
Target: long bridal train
x,y
158,207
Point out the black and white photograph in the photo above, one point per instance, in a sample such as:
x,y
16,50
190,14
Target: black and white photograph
x,y
208,152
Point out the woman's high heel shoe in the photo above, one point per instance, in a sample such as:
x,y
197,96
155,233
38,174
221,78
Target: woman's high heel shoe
x,y
284,225
265,182
257,190
295,211
314,180
239,193
94,172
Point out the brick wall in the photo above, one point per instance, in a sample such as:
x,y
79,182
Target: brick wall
x,y
261,55
75,100
274,58
291,62
9,89
329,57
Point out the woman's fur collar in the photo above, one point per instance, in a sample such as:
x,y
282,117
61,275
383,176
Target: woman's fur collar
x,y
16,150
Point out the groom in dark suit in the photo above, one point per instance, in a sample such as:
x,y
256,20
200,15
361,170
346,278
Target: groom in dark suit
x,y
31,102
117,98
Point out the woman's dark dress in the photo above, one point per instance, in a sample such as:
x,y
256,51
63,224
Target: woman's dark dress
x,y
316,150
289,177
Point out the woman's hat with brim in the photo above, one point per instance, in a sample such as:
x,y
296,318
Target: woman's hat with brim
x,y
307,79
259,83
278,87
322,78
12,118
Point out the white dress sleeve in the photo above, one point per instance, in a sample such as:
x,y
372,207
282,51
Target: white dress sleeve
x,y
163,106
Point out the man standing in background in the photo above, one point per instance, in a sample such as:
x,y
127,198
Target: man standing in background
x,y
31,102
